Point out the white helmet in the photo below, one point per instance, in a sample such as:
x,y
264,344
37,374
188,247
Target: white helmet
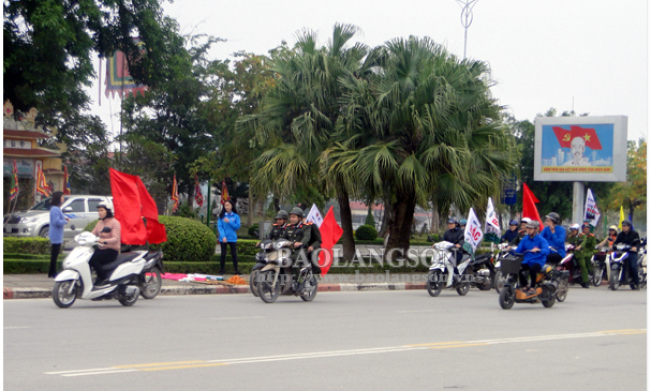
x,y
575,227
525,220
108,205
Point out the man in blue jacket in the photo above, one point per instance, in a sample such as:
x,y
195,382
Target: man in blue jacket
x,y
535,249
554,234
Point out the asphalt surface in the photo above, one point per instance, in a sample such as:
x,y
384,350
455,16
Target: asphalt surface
x,y
595,340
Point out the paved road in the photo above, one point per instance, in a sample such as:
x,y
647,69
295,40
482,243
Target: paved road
x,y
404,340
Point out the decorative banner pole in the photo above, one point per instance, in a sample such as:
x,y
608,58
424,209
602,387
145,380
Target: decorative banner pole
x,y
466,19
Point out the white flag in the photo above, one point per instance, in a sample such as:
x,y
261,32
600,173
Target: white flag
x,y
492,222
591,213
314,216
473,234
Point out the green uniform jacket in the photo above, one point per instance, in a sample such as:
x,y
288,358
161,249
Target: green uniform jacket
x,y
588,244
298,233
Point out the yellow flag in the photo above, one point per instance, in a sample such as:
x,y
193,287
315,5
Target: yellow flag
x,y
621,216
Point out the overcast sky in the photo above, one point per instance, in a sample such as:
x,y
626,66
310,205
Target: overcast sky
x,y
588,55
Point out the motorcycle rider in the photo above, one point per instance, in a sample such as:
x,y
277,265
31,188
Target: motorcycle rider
x,y
108,231
511,235
610,239
278,228
454,235
536,250
462,224
313,245
554,234
630,237
583,252
522,232
299,234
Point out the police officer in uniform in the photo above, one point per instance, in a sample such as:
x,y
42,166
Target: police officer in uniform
x,y
299,234
278,229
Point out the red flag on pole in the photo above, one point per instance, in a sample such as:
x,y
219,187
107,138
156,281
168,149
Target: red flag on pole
x,y
198,197
175,195
529,202
588,135
41,185
66,181
225,196
13,192
330,234
132,202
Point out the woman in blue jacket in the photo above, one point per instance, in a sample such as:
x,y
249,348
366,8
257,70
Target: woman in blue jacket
x,y
57,221
228,224
554,234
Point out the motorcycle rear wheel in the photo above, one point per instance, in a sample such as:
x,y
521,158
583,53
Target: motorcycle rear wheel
x,y
60,294
434,283
642,277
151,285
561,291
128,302
310,293
267,293
507,298
252,283
613,281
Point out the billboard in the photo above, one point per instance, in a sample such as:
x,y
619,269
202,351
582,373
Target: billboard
x,y
581,149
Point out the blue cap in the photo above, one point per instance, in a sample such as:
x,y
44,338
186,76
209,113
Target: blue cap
x,y
513,222
463,222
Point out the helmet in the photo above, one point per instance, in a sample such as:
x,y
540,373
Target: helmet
x,y
297,211
574,227
525,220
627,222
282,215
463,222
106,205
586,224
513,222
554,217
612,228
452,220
533,224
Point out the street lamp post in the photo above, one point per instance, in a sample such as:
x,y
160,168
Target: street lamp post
x,y
466,19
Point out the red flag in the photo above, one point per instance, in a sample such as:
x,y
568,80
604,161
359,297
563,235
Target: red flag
x,y
529,202
225,196
330,234
198,197
588,135
66,181
132,202
175,195
41,185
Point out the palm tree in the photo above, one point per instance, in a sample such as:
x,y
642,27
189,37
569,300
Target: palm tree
x,y
298,118
423,127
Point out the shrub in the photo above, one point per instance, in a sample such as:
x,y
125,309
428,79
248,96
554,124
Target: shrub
x,y
254,230
369,219
91,226
26,245
246,247
366,232
187,240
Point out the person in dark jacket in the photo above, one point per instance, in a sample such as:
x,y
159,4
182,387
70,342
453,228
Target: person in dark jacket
x,y
57,221
299,234
454,235
313,245
632,238
511,235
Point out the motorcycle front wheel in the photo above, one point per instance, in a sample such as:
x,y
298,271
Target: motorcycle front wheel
x,y
613,281
549,303
434,283
61,293
151,283
310,290
598,276
498,281
561,291
507,298
267,292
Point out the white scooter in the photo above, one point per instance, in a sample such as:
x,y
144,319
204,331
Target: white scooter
x,y
76,280
442,271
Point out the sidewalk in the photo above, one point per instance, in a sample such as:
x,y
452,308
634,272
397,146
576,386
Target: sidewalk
x,y
32,286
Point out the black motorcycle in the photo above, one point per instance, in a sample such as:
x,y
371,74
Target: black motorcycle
x,y
483,272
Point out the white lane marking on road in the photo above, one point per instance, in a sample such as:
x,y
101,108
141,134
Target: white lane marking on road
x,y
17,327
415,311
340,353
240,317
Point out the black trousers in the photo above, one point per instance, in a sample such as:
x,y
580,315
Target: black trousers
x,y
54,254
533,270
554,258
102,257
631,263
233,246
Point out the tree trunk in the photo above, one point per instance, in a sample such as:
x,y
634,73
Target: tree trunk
x,y
436,218
346,224
400,226
249,219
384,228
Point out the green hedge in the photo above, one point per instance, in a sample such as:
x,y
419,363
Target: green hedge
x,y
27,266
30,256
26,245
366,232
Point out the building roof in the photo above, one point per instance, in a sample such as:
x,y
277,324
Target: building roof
x,y
53,171
36,152
22,134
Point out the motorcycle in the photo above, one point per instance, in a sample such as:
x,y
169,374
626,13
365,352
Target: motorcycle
x,y
570,264
260,262
499,278
76,280
276,276
547,284
483,272
641,263
443,271
619,275
599,266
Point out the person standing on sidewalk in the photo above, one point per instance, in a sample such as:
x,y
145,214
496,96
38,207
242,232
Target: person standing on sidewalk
x,y
228,224
57,221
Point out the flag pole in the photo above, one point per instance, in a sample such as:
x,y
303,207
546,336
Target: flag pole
x,y
208,206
